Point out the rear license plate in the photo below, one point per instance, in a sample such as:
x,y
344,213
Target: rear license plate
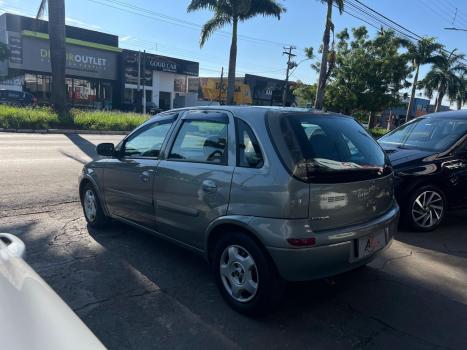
x,y
370,244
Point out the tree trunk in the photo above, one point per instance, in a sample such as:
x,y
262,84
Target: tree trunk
x,y
459,104
58,56
324,59
408,116
371,120
439,99
232,65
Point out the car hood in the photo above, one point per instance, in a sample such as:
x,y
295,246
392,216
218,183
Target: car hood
x,y
399,156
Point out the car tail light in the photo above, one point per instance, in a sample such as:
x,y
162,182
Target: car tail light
x,y
302,242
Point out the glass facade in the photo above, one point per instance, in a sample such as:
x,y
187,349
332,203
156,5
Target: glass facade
x,y
84,93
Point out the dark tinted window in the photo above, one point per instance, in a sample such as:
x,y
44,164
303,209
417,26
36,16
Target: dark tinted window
x,y
202,141
430,134
248,151
14,94
327,148
148,141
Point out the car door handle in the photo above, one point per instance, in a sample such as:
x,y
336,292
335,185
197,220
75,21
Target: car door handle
x,y
145,175
209,186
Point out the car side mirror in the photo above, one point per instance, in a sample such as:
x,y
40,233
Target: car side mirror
x,y
13,244
105,149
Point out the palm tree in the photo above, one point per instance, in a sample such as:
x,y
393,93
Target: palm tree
x,y
419,53
444,76
231,12
57,52
457,93
324,72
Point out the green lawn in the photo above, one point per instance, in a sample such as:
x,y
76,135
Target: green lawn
x,y
45,118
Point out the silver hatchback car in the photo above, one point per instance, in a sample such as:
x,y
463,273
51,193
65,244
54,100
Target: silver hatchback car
x,y
266,194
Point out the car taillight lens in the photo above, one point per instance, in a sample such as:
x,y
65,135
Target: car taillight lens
x,y
302,242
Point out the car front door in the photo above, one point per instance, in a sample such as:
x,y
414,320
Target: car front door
x,y
129,177
192,184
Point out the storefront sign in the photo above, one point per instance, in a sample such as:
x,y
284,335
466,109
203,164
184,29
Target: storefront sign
x,y
80,61
156,63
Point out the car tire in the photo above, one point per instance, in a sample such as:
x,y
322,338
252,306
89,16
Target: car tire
x,y
426,208
92,208
245,275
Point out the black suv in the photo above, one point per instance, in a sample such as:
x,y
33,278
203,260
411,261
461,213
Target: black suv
x,y
17,98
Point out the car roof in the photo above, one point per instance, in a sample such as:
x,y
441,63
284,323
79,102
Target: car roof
x,y
459,114
246,111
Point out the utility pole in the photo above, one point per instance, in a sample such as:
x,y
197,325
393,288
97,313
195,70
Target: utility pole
x,y
290,64
138,97
144,82
220,85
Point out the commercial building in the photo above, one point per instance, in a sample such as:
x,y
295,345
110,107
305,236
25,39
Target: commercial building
x,y
215,90
91,62
99,74
163,79
250,90
268,91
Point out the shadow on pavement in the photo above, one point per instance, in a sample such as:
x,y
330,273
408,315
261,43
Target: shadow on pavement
x,y
84,145
367,308
449,238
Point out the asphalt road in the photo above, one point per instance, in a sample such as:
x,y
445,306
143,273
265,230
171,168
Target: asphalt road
x,y
135,291
43,169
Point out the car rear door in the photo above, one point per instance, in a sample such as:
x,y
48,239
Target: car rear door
x,y
129,177
192,184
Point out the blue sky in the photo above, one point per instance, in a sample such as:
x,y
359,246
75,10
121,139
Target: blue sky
x,y
301,26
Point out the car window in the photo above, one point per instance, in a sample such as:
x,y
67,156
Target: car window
x,y
327,148
248,149
201,141
430,134
147,142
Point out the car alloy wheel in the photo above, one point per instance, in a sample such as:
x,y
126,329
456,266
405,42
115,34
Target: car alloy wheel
x,y
239,273
90,205
428,209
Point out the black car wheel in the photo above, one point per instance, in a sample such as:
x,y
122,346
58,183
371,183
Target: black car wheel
x,y
426,208
245,275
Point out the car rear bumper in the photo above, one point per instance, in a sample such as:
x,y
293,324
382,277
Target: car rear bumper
x,y
327,259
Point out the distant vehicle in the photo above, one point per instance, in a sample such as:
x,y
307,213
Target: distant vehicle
x,y
429,157
265,194
32,315
17,98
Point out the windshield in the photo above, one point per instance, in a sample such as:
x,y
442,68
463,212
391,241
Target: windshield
x,y
325,146
428,134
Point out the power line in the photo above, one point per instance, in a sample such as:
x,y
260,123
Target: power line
x,y
388,19
140,11
383,20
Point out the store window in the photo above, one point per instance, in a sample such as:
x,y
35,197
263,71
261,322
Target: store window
x,y
80,92
38,85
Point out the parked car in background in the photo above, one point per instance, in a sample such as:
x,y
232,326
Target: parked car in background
x,y
32,315
265,194
17,98
429,156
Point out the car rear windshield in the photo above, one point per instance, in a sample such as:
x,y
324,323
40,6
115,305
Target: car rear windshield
x,y
428,134
326,148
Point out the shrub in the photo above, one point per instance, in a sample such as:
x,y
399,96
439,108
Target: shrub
x,y
45,118
378,132
27,118
106,120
